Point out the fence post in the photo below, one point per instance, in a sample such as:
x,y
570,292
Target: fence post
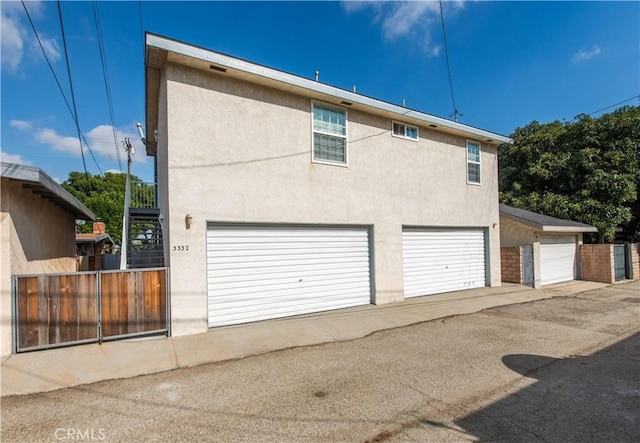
x,y
14,314
99,305
167,301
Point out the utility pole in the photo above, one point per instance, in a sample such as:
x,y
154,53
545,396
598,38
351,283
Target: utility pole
x,y
127,203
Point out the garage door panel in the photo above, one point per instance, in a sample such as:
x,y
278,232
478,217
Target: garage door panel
x,y
239,313
254,292
312,275
558,259
260,260
256,273
442,260
257,299
243,316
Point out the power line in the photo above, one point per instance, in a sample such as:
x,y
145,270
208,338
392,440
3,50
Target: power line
x,y
73,97
53,72
615,104
105,75
455,114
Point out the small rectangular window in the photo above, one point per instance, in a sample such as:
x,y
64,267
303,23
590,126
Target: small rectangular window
x,y
329,134
473,162
404,131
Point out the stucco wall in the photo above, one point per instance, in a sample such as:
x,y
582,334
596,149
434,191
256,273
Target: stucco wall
x,y
516,234
238,152
40,238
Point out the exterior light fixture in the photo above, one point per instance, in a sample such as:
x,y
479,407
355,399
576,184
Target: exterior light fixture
x,y
188,219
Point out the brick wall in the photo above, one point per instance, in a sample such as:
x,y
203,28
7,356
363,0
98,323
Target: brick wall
x,y
597,263
635,260
511,263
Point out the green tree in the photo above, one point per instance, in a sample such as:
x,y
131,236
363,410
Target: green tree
x,y
587,170
104,195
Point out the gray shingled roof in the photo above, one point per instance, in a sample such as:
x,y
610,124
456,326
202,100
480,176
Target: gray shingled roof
x,y
40,183
544,222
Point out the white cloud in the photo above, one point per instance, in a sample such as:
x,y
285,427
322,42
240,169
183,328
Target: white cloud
x,y
14,158
50,46
406,19
22,125
100,141
18,39
406,16
12,45
586,54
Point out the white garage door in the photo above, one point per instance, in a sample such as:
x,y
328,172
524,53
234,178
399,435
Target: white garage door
x,y
442,260
558,261
257,273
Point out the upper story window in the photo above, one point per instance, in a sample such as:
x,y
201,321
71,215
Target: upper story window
x,y
473,162
329,134
404,131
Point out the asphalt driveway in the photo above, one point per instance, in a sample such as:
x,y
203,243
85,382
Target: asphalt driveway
x,y
564,369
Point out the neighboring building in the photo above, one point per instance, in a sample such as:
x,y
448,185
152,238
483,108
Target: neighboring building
x,y
281,195
37,225
91,247
539,250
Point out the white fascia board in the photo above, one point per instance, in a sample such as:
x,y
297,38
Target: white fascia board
x,y
548,228
301,82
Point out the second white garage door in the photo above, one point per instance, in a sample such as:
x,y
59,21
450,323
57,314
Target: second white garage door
x,y
558,258
262,272
442,260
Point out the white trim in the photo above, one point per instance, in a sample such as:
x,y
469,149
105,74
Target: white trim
x,y
395,122
160,42
345,136
479,163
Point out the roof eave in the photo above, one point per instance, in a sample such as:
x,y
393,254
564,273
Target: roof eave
x,y
37,180
225,61
549,228
578,229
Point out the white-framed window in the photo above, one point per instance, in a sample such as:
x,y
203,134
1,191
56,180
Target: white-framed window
x,y
404,131
329,134
473,162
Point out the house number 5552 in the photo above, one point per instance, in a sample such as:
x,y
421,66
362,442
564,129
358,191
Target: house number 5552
x,y
181,248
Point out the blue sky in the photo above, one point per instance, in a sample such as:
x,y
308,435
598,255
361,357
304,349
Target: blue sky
x,y
511,63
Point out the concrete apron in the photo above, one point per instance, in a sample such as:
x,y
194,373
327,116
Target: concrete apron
x,y
48,370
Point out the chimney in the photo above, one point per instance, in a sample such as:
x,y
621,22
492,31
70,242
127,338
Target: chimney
x,y
98,227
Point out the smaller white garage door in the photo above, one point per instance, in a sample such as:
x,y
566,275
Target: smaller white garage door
x,y
442,260
558,258
262,272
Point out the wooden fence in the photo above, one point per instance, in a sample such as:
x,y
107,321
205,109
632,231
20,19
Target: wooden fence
x,y
53,310
133,302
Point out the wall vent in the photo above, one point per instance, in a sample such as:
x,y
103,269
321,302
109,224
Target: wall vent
x,y
217,68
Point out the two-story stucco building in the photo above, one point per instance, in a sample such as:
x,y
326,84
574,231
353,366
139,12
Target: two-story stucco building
x,y
281,195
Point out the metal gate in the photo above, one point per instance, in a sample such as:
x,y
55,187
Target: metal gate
x,y
53,310
527,266
619,261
